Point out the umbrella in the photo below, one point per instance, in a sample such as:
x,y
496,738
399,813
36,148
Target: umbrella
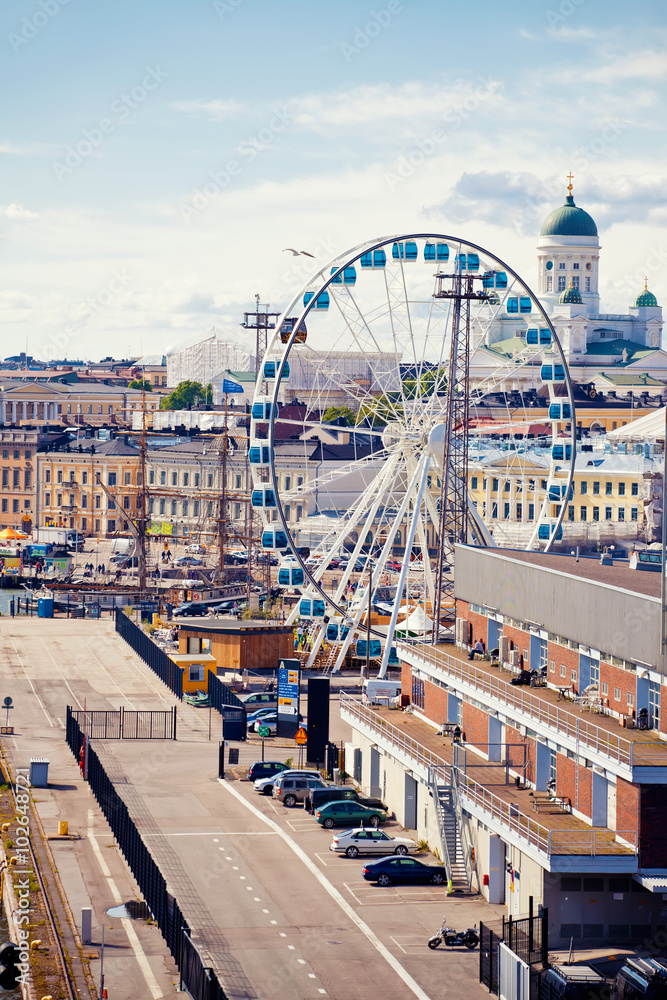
x,y
12,533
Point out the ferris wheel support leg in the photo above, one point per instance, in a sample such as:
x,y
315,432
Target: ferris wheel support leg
x,y
293,615
421,473
316,647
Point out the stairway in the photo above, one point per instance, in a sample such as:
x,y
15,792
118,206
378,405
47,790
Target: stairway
x,y
450,831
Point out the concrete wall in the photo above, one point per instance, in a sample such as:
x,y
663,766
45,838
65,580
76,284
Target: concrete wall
x,y
617,621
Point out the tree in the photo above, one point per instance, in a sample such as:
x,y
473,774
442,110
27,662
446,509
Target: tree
x,y
430,381
141,383
341,415
186,395
379,412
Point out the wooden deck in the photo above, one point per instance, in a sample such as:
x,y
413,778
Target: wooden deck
x,y
571,836
648,749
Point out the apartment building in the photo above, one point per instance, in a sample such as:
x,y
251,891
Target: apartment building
x,y
18,474
550,793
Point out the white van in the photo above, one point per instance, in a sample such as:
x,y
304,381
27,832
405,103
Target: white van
x,y
381,692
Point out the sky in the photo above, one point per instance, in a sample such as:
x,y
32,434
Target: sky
x,y
157,158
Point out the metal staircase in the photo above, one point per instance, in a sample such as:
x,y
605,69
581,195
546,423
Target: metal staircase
x,y
455,851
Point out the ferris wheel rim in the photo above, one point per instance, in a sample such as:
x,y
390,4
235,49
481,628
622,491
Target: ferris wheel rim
x,y
320,282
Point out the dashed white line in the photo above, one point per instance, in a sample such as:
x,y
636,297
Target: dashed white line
x,y
391,960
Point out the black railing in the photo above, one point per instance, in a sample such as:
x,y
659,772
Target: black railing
x,y
199,979
220,695
152,655
127,724
526,937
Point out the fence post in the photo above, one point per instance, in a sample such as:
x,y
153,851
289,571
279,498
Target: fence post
x,y
481,952
531,937
221,759
545,937
491,962
174,723
509,925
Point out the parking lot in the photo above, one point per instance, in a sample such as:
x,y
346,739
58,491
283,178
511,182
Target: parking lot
x,y
273,910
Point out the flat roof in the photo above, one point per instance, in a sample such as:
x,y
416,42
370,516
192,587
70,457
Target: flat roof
x,y
234,625
620,576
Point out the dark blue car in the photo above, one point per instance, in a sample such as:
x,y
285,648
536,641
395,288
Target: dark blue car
x,y
402,870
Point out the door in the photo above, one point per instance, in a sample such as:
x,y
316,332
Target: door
x,y
584,672
611,805
495,738
375,772
410,803
542,766
492,634
599,800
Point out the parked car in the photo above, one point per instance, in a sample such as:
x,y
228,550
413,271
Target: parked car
x,y
271,721
338,793
229,605
188,561
197,549
351,843
260,699
265,785
259,714
292,788
266,769
349,814
403,870
190,609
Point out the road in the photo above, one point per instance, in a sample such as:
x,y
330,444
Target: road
x,y
276,912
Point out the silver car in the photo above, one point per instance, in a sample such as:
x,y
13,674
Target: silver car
x,y
265,785
352,843
292,788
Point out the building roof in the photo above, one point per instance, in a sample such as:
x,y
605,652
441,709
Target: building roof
x,y
626,378
568,220
615,348
646,300
617,575
650,427
570,296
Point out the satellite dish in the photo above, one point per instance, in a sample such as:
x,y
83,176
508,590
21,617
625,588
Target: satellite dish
x,y
7,701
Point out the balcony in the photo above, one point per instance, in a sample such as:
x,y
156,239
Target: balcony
x,y
632,757
554,842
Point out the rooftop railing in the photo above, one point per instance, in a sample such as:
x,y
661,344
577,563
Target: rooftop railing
x,y
583,842
616,748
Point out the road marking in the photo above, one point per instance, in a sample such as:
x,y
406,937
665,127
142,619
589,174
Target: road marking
x,y
32,686
61,674
291,947
256,899
311,975
301,961
220,833
265,911
391,960
132,937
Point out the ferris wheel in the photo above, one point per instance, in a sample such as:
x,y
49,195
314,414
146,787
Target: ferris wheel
x,y
408,372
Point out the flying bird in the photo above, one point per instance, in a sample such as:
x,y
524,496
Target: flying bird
x,y
299,253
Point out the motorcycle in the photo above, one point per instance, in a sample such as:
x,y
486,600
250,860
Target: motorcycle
x,y
453,938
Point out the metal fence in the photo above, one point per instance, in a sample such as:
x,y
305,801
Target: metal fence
x,y
525,937
126,724
221,695
152,655
198,979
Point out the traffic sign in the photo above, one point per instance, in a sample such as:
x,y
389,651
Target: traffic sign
x,y
300,736
7,702
264,731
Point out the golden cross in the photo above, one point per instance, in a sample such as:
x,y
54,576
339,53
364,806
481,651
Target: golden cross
x,y
569,187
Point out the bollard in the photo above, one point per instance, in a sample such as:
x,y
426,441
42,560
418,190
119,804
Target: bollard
x,y
86,925
63,827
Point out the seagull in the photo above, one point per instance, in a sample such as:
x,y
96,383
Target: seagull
x,y
299,253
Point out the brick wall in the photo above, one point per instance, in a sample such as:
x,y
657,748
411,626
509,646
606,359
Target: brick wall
x,y
435,702
566,783
627,808
518,640
406,679
476,726
626,681
562,656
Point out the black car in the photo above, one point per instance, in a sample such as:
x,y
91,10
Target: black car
x,y
266,769
336,793
403,871
574,982
190,609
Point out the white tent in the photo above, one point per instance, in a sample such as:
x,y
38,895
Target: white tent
x,y
649,428
417,623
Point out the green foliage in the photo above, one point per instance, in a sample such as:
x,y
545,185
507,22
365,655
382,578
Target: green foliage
x,y
341,415
379,412
141,383
427,383
186,395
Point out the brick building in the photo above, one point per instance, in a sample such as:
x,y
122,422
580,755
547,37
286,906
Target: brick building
x,y
552,792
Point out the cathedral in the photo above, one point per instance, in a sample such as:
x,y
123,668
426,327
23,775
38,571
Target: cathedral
x,y
610,351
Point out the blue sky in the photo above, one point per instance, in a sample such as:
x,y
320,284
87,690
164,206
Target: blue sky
x,y
156,158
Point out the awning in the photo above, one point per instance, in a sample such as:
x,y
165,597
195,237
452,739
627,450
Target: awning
x,y
648,428
654,883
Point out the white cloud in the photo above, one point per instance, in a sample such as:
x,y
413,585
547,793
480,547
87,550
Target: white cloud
x,y
17,213
218,110
27,148
648,65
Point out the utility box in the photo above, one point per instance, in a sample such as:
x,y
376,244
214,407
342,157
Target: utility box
x,y
45,607
39,772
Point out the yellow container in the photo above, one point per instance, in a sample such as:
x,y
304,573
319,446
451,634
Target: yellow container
x,y
63,827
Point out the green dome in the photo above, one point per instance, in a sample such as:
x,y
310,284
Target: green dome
x,y
569,221
570,295
646,299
